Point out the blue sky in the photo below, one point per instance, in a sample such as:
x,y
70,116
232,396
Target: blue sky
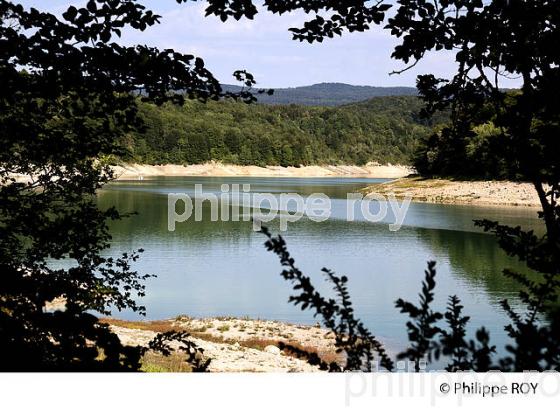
x,y
264,47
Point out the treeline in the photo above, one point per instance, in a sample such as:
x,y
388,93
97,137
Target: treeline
x,y
480,152
481,147
383,129
327,94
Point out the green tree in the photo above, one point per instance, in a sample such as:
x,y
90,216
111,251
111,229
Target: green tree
x,y
77,97
384,129
491,40
68,97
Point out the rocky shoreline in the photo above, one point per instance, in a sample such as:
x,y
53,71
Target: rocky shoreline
x,y
233,344
487,193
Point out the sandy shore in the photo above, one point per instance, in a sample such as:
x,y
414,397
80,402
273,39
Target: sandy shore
x,y
216,169
233,344
495,193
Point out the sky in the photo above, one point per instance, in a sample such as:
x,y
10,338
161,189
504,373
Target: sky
x,y
265,48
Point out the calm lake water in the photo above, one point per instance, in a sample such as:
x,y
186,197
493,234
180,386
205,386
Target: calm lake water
x,y
222,268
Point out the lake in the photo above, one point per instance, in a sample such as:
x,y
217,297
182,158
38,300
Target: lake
x,y
207,268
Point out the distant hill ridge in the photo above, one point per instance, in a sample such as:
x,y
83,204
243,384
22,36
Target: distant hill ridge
x,y
327,94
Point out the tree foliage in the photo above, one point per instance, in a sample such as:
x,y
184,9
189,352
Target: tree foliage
x,y
327,94
384,130
68,95
351,336
514,133
533,339
422,328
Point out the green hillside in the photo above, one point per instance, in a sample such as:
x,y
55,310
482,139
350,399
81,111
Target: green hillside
x,y
384,129
327,94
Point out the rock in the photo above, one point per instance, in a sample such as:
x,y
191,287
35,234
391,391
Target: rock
x,y
272,349
238,353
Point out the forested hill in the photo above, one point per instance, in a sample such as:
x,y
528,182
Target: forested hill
x,y
383,129
327,94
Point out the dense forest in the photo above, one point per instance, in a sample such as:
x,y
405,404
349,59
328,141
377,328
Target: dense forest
x,y
383,129
327,94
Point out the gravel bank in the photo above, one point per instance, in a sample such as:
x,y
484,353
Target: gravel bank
x,y
496,193
233,344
